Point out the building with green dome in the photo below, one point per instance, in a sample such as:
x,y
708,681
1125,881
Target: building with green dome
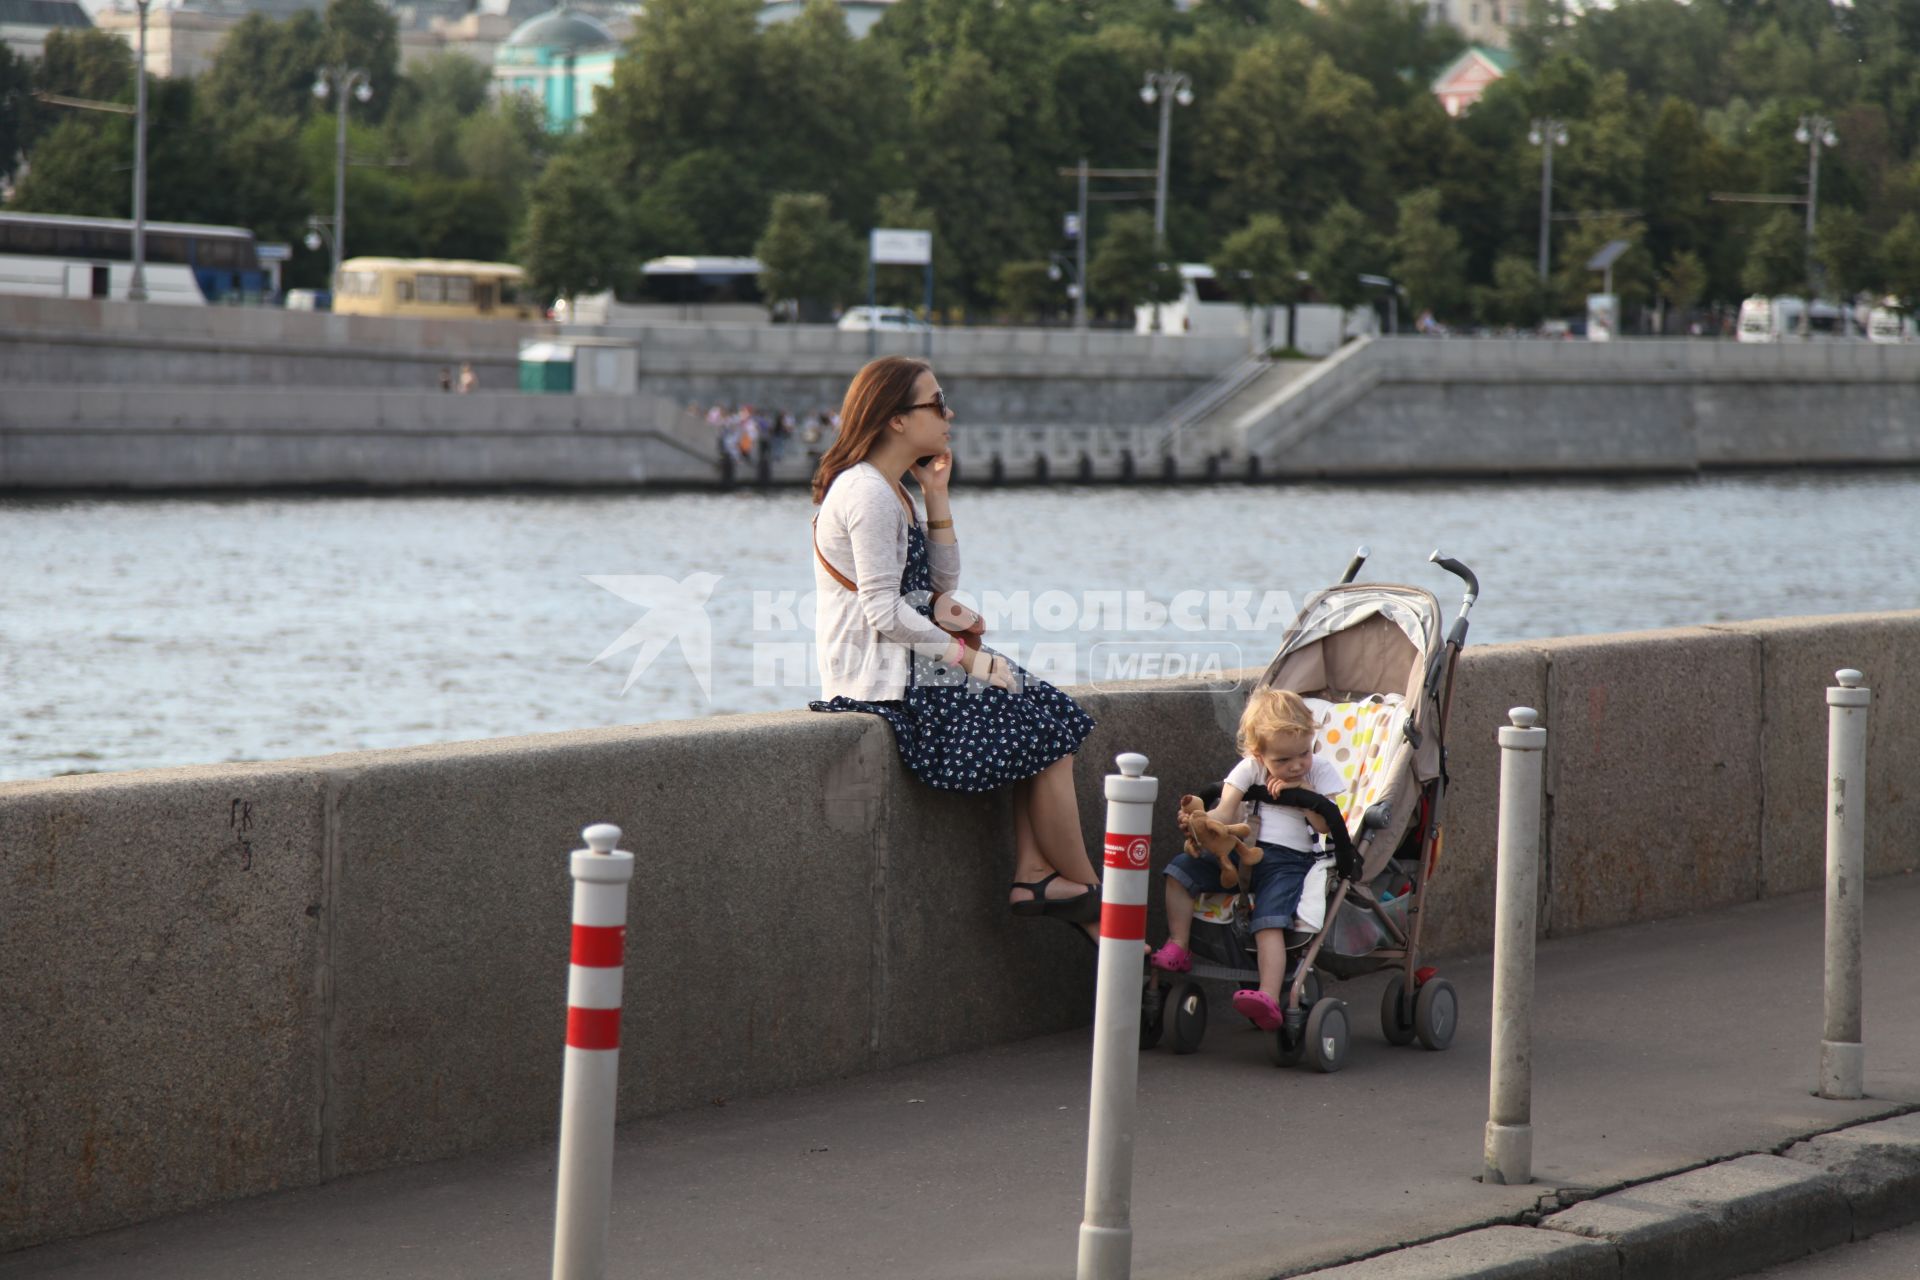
x,y
558,59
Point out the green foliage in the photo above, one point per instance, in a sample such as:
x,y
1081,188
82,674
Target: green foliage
x,y
1684,282
1777,258
1029,292
571,244
1845,250
1255,264
1428,261
1126,270
1343,247
16,104
1900,258
958,116
80,167
265,68
806,255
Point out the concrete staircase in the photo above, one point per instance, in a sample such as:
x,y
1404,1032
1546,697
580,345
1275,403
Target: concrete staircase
x,y
1204,422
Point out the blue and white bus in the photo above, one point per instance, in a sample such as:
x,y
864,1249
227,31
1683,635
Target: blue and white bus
x,y
53,255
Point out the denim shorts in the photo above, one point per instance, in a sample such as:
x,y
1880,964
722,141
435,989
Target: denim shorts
x,y
1277,879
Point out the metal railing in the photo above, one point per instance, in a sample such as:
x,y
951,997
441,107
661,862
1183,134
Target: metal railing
x,y
1202,403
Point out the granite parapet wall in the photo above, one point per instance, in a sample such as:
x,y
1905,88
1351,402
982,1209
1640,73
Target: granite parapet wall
x,y
231,979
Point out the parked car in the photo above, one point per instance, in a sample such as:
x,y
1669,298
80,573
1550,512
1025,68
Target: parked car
x,y
885,319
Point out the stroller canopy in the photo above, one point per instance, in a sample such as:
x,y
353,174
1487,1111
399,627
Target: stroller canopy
x,y
1359,641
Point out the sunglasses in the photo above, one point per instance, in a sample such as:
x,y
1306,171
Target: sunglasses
x,y
939,402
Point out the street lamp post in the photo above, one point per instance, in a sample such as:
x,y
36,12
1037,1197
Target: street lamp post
x,y
343,82
137,285
1165,87
1547,133
1815,131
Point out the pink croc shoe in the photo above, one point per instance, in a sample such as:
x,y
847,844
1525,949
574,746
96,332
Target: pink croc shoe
x,y
1172,958
1259,1006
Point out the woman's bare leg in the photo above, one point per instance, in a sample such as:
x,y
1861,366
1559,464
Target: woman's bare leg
x,y
1055,816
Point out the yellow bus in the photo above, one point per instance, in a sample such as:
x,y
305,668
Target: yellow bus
x,y
432,287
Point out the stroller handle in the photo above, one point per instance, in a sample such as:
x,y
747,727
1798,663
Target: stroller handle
x,y
1360,555
1461,572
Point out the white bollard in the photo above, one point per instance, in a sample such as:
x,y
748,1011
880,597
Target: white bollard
x,y
1106,1230
1509,1140
1843,1058
588,1091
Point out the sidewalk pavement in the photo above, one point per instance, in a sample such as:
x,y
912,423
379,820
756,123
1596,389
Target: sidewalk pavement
x,y
1658,1048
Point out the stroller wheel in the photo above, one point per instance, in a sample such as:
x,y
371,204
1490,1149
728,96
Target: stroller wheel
x,y
1186,1010
1394,1025
1327,1035
1153,1014
1436,1013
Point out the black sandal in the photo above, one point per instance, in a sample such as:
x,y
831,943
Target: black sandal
x,y
1039,904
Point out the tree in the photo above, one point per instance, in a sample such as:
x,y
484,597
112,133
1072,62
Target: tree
x,y
1518,297
1343,248
265,68
80,168
1291,133
1844,247
964,168
806,255
1126,270
1684,282
1029,291
1427,258
16,102
363,35
1777,259
837,123
1900,262
570,244
1255,266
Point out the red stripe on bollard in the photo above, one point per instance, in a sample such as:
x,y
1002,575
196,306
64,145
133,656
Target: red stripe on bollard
x,y
1128,853
593,1028
599,946
1119,920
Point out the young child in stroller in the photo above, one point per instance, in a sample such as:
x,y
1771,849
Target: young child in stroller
x,y
1290,792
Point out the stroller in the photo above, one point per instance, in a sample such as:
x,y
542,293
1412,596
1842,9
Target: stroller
x,y
1370,662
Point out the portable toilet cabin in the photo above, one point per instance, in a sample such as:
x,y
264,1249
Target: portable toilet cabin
x,y
547,366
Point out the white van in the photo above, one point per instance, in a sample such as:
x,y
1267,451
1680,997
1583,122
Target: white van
x,y
884,319
1783,318
1205,309
1887,325
1756,321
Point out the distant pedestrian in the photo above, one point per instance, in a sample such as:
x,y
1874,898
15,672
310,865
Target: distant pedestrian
x,y
469,380
446,378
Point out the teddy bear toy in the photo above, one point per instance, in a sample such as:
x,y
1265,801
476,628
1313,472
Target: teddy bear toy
x,y
1211,838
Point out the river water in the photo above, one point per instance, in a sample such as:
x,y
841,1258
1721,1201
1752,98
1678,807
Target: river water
x,y
146,632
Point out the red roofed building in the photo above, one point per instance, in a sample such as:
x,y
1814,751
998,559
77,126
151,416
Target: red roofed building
x,y
1467,77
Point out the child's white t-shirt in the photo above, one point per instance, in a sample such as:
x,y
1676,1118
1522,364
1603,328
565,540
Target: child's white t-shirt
x,y
1281,825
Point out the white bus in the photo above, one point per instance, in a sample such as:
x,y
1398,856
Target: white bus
x,y
53,255
681,289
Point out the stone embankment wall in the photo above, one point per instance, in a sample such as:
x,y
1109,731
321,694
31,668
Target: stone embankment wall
x,y
231,979
1413,406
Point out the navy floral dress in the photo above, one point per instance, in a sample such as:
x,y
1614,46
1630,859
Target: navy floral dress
x,y
961,735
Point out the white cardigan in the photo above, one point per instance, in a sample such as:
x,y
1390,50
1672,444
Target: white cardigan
x,y
865,638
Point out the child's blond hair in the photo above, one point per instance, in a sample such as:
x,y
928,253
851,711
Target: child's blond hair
x,y
1270,712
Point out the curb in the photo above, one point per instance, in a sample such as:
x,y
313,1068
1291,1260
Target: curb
x,y
1722,1220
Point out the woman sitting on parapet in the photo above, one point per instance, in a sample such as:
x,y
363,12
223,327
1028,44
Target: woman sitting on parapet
x,y
964,717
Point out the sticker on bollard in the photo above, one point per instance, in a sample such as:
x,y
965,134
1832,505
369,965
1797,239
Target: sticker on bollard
x,y
1128,853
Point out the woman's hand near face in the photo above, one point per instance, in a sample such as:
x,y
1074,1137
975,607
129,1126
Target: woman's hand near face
x,y
933,477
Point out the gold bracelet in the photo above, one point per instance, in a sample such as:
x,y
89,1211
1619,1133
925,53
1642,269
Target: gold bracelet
x,y
939,524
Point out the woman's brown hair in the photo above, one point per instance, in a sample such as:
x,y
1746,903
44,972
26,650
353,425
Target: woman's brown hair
x,y
879,391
